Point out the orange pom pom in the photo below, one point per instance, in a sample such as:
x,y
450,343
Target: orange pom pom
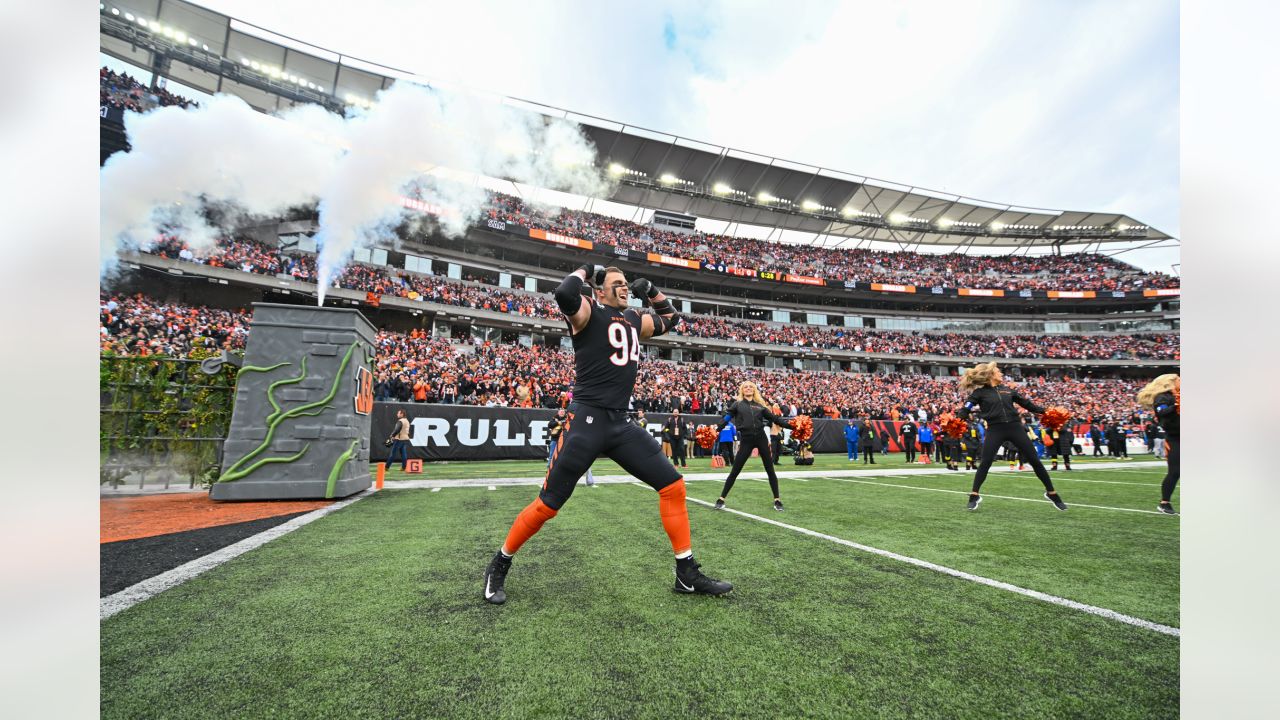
x,y
706,436
1055,417
952,425
802,428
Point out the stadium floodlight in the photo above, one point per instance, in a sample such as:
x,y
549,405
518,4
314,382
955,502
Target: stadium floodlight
x,y
179,36
810,205
721,189
616,169
765,197
946,222
244,61
192,42
897,218
349,98
115,11
997,227
255,65
206,47
668,178
129,16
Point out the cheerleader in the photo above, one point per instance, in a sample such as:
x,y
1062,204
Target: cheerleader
x,y
750,413
1164,396
984,383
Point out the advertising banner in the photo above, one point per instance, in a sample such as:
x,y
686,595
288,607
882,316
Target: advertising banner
x,y
893,288
559,239
804,280
467,432
677,262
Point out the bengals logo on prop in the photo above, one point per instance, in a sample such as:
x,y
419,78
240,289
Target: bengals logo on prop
x,y
364,391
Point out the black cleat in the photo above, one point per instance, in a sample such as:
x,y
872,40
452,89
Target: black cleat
x,y
974,502
689,580
1057,501
1166,508
777,505
719,505
495,576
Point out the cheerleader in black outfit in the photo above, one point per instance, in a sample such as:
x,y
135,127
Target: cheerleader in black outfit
x,y
984,383
1162,396
750,413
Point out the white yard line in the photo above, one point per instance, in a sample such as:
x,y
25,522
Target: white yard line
x,y
1044,597
153,586
1002,497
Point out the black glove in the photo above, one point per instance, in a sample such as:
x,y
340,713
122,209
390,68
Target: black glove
x,y
595,274
643,289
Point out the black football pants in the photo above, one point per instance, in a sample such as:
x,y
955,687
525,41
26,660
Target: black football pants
x,y
590,432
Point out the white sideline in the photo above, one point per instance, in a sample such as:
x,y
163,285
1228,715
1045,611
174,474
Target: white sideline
x,y
153,586
1001,497
881,470
1035,594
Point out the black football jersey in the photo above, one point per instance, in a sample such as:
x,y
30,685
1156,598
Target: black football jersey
x,y
606,356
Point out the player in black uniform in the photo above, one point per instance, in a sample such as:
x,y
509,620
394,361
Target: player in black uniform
x,y
1004,424
606,342
1162,395
751,414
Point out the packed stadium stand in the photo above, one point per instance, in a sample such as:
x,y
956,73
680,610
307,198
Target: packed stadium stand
x,y
904,290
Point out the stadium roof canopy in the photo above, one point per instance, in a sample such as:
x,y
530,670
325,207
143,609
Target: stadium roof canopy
x,y
217,53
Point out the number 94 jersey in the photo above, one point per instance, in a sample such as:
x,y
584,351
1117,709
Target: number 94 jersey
x,y
606,357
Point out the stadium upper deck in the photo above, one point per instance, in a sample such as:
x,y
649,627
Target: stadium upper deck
x,y
215,53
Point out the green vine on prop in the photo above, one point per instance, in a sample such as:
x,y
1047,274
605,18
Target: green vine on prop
x,y
271,389
235,472
337,467
255,368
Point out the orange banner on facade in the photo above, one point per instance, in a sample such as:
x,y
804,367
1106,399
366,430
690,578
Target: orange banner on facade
x,y
981,293
804,280
559,239
678,262
1161,292
893,288
1072,294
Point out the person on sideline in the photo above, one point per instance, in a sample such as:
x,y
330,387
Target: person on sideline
x,y
750,412
1164,396
986,388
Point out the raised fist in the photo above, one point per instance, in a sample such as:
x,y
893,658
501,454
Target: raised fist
x,y
643,289
595,274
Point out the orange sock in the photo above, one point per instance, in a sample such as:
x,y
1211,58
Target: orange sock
x,y
675,516
528,522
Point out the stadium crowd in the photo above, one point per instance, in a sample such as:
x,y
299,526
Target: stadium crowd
x,y
1078,271
122,90
250,256
416,367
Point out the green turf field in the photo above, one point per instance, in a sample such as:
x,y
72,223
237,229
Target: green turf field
x,y
376,610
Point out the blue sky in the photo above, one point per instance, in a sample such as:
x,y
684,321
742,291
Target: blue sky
x,y
1066,105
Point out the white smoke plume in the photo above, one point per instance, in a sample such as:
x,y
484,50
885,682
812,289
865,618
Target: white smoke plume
x,y
413,138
